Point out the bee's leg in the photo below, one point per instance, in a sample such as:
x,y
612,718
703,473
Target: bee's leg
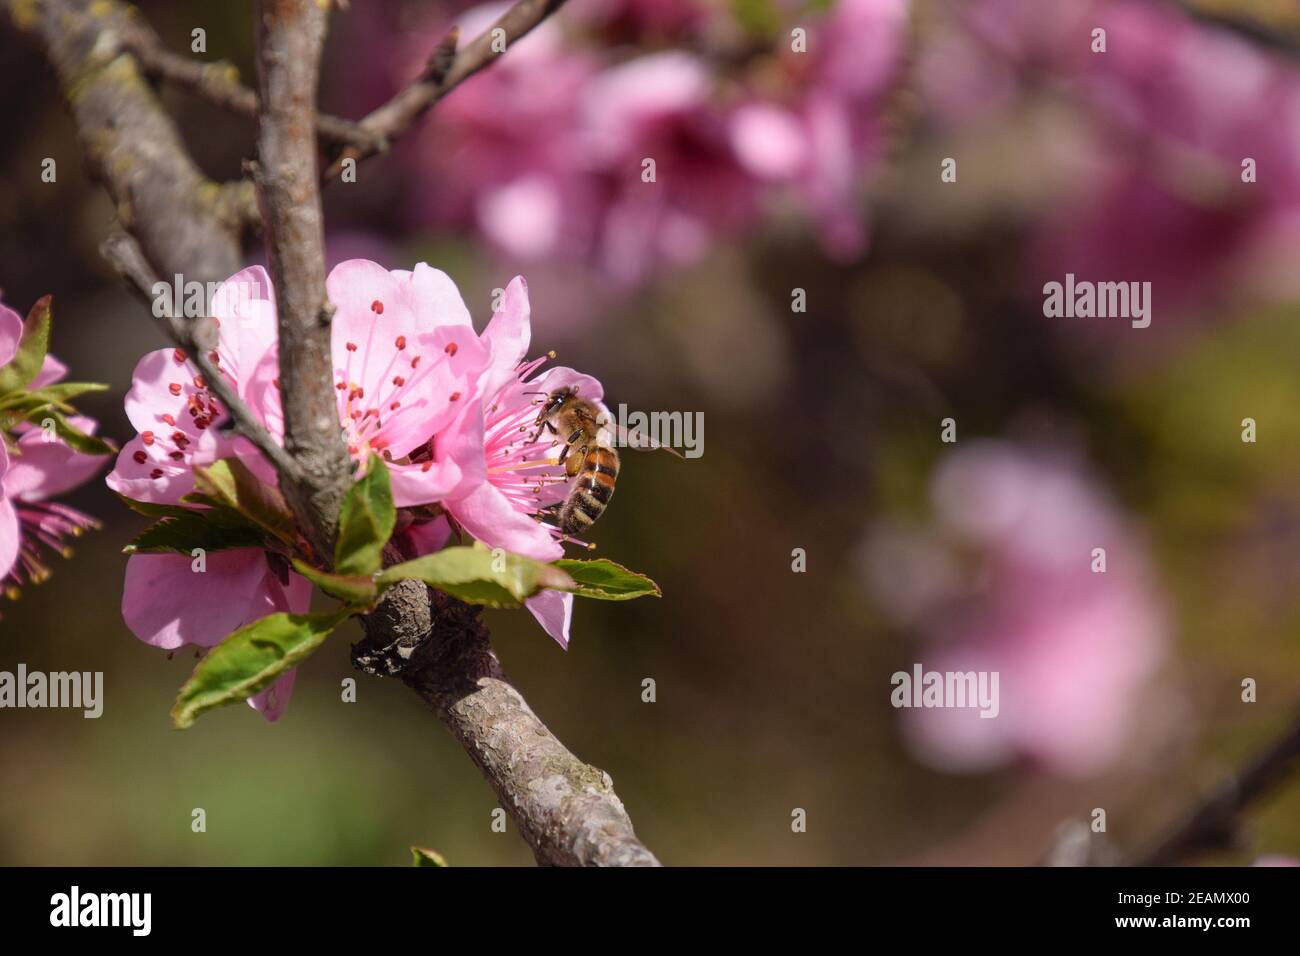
x,y
544,425
574,459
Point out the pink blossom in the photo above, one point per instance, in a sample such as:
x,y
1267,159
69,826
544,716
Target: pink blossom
x,y
505,151
166,603
1074,648
543,155
34,468
177,417
406,360
513,462
822,136
661,107
442,405
1164,118
405,353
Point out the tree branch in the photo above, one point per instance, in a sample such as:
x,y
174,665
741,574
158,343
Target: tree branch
x,y
567,810
1213,823
217,82
446,69
290,35
130,144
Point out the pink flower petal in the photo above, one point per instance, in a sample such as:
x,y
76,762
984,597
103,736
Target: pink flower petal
x,y
10,533
554,611
426,537
52,370
244,307
437,301
158,478
44,468
507,336
404,354
416,484
271,702
770,142
11,333
462,444
168,604
428,293
490,517
163,383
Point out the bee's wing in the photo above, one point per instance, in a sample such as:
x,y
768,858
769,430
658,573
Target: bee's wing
x,y
632,438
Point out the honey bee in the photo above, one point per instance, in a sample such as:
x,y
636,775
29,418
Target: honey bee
x,y
588,456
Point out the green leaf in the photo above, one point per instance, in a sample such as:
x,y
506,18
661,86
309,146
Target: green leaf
x,y
71,435
66,391
365,522
35,342
358,590
228,484
152,509
607,581
56,395
181,534
477,576
423,856
248,660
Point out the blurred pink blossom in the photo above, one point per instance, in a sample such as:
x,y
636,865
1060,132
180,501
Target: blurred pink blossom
x,y
503,155
643,20
660,108
547,155
1171,110
1011,588
823,132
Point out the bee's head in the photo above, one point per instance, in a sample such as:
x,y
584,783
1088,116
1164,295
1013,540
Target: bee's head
x,y
557,400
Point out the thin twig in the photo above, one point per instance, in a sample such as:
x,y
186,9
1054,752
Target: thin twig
x,y
197,339
445,70
1214,822
290,35
218,83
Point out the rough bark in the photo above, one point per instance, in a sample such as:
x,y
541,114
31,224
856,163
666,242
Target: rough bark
x,y
290,35
566,809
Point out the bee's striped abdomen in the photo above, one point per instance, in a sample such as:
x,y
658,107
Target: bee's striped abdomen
x,y
591,492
